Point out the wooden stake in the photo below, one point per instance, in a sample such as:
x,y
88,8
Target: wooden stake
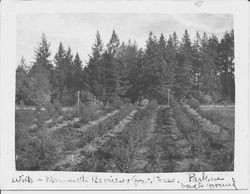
x,y
168,96
78,99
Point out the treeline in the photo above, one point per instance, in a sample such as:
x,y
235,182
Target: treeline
x,y
202,68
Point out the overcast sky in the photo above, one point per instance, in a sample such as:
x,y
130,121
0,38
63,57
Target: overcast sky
x,y
78,30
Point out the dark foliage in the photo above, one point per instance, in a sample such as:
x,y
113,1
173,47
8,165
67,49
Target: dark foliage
x,y
203,68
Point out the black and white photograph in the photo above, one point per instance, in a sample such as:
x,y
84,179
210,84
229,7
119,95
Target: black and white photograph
x,y
127,93
124,95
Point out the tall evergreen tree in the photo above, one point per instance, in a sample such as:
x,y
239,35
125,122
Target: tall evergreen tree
x,y
42,63
62,79
127,60
21,83
111,78
226,58
60,56
39,75
171,52
175,41
166,67
69,82
113,45
162,46
197,64
97,48
151,74
135,60
59,73
214,87
168,74
210,83
186,50
183,79
112,87
77,74
94,70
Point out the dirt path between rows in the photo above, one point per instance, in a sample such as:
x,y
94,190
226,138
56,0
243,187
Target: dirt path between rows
x,y
165,149
75,158
98,142
71,122
141,162
171,149
96,122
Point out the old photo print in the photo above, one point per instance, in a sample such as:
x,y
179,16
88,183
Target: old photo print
x,y
109,95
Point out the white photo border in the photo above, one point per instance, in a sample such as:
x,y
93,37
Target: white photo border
x,y
9,12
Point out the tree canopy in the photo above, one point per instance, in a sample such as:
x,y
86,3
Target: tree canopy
x,y
204,66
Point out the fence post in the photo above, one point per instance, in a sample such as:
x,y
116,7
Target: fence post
x,y
168,96
78,99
